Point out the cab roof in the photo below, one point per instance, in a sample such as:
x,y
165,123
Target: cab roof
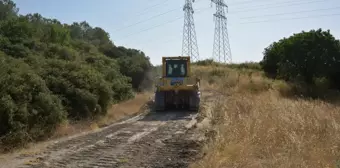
x,y
177,58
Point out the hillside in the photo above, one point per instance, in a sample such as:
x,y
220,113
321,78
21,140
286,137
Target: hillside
x,y
281,112
52,72
255,123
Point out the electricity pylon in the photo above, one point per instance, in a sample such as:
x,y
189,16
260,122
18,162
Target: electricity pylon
x,y
189,44
221,47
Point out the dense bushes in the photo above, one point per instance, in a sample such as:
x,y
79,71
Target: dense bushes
x,y
51,72
28,108
138,68
312,58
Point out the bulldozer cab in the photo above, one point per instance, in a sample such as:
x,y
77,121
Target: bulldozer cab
x,y
174,67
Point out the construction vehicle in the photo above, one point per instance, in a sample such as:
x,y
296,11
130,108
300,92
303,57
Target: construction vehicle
x,y
177,87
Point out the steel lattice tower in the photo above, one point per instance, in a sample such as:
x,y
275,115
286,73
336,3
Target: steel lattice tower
x,y
189,44
221,48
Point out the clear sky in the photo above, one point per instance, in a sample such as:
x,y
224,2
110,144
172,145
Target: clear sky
x,y
253,25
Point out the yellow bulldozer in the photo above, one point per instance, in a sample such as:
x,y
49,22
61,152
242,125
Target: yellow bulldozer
x,y
177,87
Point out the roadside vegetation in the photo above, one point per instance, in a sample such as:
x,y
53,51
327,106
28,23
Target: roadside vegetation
x,y
54,73
285,114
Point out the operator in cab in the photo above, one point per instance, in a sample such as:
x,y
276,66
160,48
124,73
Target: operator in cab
x,y
176,69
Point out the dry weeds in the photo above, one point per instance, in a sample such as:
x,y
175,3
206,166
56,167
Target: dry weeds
x,y
115,113
258,127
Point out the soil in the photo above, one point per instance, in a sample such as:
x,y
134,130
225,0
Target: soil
x,y
168,139
154,140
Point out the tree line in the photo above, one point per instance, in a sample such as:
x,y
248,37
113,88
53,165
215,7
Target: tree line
x,y
51,72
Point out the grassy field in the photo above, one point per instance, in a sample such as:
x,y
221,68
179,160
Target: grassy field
x,y
259,124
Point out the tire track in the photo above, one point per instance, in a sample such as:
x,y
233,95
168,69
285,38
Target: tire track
x,y
171,146
135,143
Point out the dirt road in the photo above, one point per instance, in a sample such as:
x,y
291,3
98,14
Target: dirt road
x,y
170,139
162,139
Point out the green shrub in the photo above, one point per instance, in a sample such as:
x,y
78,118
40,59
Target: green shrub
x,y
303,57
29,111
52,72
308,60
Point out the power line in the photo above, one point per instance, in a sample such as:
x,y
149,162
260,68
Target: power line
x,y
152,17
154,27
150,7
146,10
278,6
291,12
308,17
155,16
162,24
201,10
161,14
244,2
295,18
282,3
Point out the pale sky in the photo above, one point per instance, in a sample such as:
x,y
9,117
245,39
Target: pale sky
x,y
253,25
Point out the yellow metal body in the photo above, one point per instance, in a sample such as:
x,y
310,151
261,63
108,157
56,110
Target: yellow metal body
x,y
186,83
164,84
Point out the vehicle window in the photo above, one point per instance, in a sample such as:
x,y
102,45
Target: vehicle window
x,y
176,68
169,69
182,70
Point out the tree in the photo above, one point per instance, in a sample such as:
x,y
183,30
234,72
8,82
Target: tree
x,y
7,9
305,56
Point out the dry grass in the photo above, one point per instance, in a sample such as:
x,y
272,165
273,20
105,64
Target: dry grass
x,y
115,113
125,109
258,127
